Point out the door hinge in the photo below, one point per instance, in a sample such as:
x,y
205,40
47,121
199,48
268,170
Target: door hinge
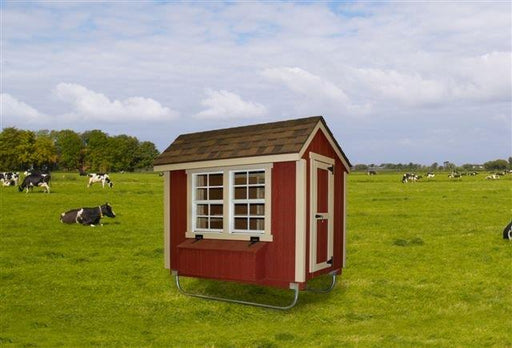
x,y
330,261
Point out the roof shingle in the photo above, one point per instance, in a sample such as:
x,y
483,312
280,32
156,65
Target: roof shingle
x,y
274,138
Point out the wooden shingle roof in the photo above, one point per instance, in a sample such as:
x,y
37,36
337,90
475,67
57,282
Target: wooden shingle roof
x,y
276,138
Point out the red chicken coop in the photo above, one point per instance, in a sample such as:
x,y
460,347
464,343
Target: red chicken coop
x,y
262,204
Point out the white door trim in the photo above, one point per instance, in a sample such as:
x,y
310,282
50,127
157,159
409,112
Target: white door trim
x,y
320,162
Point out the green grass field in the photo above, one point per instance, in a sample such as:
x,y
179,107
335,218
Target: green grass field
x,y
426,266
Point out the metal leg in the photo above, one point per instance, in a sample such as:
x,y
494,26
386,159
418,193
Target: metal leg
x,y
293,286
329,288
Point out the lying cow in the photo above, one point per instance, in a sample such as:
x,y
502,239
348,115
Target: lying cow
x,y
492,177
507,232
100,177
87,216
41,180
9,178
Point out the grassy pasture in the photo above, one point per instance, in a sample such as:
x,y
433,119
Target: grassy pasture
x,y
426,266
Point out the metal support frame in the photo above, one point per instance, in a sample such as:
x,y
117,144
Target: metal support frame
x,y
329,288
293,286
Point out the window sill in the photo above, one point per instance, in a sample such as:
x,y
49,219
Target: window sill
x,y
231,236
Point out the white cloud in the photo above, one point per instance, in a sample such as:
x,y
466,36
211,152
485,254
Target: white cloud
x,y
409,89
319,93
14,110
88,104
227,105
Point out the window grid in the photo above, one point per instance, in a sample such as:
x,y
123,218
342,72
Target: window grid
x,y
248,201
208,202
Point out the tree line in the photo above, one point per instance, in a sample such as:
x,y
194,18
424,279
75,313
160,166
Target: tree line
x,y
92,150
494,165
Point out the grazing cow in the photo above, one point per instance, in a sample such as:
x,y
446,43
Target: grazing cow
x,y
454,175
372,172
42,180
473,173
9,178
100,177
507,232
410,177
430,175
87,216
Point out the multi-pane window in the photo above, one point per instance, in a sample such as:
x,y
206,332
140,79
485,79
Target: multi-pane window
x,y
230,203
248,201
208,201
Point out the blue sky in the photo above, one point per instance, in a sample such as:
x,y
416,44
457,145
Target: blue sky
x,y
402,81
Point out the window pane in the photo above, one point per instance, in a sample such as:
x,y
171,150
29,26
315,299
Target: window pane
x,y
257,192
240,193
240,223
257,177
202,222
201,180
202,209
215,180
257,209
216,223
257,224
215,193
201,194
216,210
241,209
240,178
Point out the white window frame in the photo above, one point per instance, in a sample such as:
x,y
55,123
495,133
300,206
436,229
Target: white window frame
x,y
207,201
228,231
247,201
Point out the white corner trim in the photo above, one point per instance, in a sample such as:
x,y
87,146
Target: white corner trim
x,y
300,220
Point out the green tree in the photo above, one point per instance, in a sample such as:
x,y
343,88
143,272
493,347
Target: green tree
x,y
145,155
70,149
16,149
499,164
97,152
45,151
122,149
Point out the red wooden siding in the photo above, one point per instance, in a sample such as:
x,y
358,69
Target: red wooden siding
x,y
320,145
280,259
178,212
222,259
266,263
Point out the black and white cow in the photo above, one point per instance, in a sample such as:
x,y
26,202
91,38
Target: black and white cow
x,y
9,178
42,180
410,177
507,232
454,175
100,177
87,216
430,175
492,177
372,172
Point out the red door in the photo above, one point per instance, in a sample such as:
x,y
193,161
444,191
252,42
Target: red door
x,y
322,204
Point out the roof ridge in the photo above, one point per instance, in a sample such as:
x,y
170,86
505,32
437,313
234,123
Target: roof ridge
x,y
265,124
